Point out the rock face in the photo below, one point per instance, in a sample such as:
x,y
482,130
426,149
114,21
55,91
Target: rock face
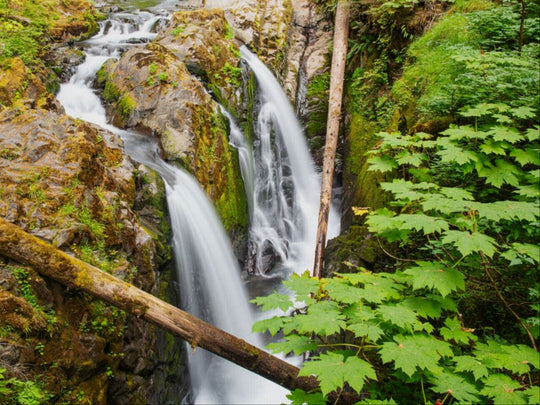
x,y
294,40
70,183
152,88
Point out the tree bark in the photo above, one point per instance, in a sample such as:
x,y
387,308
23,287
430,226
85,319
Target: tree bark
x,y
76,274
337,74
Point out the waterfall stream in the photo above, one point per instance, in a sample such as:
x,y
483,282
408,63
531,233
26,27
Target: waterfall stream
x,y
209,276
286,186
282,188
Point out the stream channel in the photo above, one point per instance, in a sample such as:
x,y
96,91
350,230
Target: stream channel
x,y
282,188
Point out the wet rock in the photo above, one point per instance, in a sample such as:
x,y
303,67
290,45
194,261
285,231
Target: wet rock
x,y
204,41
63,60
151,88
356,247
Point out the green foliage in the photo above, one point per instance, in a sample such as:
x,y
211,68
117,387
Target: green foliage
x,y
395,341
20,392
229,32
470,58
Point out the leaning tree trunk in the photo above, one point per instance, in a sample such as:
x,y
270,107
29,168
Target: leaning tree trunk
x,y
76,274
337,74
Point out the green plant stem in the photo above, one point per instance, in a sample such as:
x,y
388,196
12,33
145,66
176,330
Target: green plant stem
x,y
423,391
392,256
445,398
496,288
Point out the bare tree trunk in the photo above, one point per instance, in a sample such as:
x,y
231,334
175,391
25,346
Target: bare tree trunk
x,y
522,15
76,274
337,74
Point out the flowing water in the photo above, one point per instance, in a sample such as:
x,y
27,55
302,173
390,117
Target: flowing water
x,y
286,185
282,188
209,276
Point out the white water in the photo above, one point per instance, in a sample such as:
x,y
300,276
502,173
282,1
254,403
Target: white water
x,y
287,186
208,272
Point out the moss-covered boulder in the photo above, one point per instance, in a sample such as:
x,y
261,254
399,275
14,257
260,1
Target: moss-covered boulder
x,y
264,24
204,41
27,30
71,184
151,88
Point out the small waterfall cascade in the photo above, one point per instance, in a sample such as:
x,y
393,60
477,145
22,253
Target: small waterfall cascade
x,y
208,272
286,186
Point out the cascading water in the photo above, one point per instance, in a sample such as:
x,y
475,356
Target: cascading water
x,y
286,185
208,272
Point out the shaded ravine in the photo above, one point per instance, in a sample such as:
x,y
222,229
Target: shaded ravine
x,y
209,276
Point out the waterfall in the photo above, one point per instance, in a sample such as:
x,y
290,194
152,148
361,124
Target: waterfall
x,y
208,272
286,186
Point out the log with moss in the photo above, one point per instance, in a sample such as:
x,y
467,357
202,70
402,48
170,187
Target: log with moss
x,y
76,274
51,262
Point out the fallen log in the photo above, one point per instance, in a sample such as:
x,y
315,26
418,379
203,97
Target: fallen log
x,y
76,274
49,261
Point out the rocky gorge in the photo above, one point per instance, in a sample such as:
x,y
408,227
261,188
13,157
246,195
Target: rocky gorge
x,y
71,183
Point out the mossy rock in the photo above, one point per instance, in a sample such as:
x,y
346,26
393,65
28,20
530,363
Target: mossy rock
x,y
204,41
356,247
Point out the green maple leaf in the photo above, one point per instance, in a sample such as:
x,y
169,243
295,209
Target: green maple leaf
x,y
478,110
406,190
456,193
394,140
523,112
422,222
458,387
333,371
468,243
534,395
516,358
452,153
376,287
300,397
425,307
371,330
377,402
304,286
341,291
464,132
272,325
435,275
293,343
533,134
382,164
528,190
502,389
272,301
527,249
399,315
454,331
444,205
507,210
520,250
526,156
358,313
413,159
323,318
493,147
415,352
506,134
471,364
502,173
